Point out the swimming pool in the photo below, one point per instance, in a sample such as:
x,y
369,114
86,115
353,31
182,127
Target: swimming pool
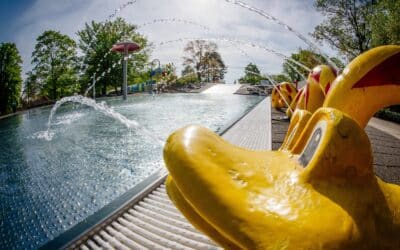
x,y
47,187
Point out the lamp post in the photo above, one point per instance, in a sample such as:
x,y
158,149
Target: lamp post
x,y
154,62
125,48
154,72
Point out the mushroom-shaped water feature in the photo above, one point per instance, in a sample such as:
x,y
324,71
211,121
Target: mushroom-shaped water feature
x,y
125,48
319,193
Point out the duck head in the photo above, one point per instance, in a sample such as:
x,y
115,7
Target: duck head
x,y
370,82
318,84
323,75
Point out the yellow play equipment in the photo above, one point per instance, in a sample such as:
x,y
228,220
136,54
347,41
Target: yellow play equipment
x,y
318,191
283,94
312,96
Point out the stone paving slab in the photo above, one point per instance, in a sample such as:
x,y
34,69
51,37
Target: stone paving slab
x,y
386,126
279,126
386,149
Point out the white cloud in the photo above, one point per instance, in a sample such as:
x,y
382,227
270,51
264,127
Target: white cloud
x,y
224,19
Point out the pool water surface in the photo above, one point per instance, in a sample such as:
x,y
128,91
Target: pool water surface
x,y
47,187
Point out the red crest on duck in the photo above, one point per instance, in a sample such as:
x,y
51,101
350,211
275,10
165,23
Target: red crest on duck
x,y
386,73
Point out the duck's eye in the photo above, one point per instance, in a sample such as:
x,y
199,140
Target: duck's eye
x,y
311,146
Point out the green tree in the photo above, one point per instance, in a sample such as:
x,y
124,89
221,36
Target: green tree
x,y
10,77
188,70
346,27
213,67
96,40
31,88
385,23
252,75
280,78
54,60
187,79
195,55
385,29
188,75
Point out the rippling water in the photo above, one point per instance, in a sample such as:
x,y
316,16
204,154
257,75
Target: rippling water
x,y
46,187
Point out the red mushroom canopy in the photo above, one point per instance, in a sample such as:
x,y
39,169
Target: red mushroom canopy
x,y
130,46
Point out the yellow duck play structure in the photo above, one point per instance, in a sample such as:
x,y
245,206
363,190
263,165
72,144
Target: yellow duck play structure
x,y
312,96
283,95
319,191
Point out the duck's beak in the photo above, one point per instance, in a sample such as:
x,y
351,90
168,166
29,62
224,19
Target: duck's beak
x,y
219,179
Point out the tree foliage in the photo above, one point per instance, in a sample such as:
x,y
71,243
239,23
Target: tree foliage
x,y
187,79
96,40
31,87
10,77
346,27
54,60
188,70
204,58
385,23
354,26
213,69
188,76
252,75
281,78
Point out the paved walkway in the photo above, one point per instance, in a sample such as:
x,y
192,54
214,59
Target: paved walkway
x,y
254,131
279,126
386,150
385,126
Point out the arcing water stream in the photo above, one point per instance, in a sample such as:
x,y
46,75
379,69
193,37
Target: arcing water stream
x,y
104,109
250,44
265,15
287,27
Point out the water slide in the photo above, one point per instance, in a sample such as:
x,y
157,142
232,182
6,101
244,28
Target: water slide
x,y
222,89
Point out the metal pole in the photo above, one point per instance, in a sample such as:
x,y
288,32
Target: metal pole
x,y
28,87
125,71
94,86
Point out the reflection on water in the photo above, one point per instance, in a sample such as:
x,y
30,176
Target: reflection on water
x,y
47,187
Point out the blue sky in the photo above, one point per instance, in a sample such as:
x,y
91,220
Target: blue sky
x,y
9,11
21,21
